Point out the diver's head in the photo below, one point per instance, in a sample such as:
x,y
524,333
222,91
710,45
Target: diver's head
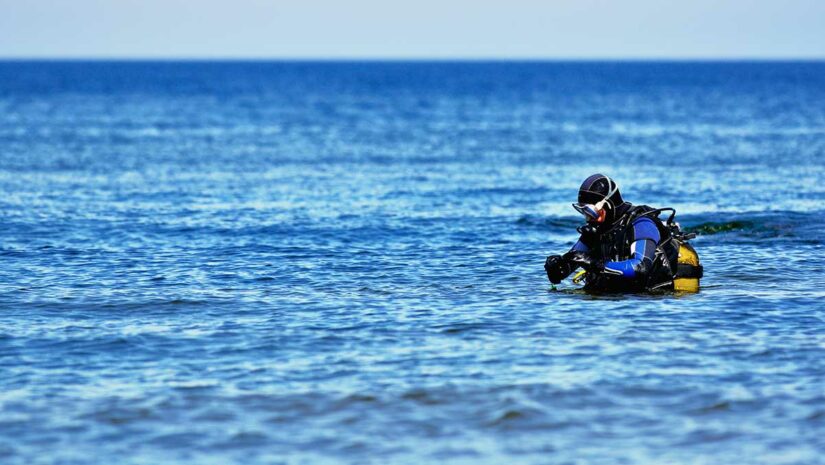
x,y
599,199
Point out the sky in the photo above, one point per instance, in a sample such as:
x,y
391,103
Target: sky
x,y
421,29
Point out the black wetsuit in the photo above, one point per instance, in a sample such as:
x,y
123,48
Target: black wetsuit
x,y
636,252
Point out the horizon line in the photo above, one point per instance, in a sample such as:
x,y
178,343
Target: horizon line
x,y
411,59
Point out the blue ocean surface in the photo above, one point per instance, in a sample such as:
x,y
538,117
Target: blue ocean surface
x,y
341,263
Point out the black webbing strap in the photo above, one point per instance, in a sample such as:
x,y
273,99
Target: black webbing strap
x,y
689,271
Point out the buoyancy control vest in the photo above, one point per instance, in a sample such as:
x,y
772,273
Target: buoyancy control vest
x,y
675,264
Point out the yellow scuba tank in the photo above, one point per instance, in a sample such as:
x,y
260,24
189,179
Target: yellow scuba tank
x,y
688,270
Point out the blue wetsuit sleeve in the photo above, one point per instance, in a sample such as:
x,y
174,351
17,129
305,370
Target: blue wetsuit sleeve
x,y
643,249
579,247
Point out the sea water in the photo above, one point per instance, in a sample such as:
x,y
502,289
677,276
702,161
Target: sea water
x,y
335,262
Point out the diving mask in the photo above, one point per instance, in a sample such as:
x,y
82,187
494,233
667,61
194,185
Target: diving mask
x,y
597,212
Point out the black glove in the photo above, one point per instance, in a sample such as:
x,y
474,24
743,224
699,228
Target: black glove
x,y
584,260
557,268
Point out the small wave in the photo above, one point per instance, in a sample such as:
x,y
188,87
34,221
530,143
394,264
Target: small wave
x,y
721,227
759,226
243,440
458,328
754,225
507,416
535,221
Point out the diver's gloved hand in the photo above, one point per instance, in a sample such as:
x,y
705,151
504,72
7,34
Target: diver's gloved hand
x,y
556,268
584,260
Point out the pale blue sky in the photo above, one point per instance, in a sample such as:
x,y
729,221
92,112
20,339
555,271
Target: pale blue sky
x,y
417,29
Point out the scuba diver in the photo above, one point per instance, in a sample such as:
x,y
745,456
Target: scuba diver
x,y
623,247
